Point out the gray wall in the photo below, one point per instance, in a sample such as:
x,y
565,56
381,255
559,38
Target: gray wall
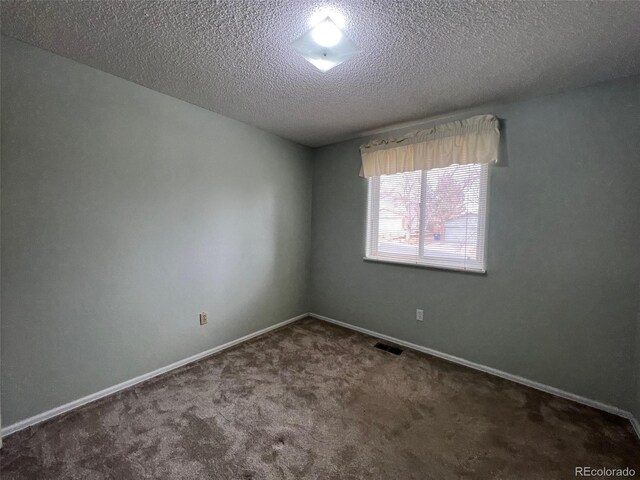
x,y
558,304
636,405
126,213
0,241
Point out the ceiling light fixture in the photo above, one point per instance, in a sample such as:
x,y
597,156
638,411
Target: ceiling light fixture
x,y
326,33
325,46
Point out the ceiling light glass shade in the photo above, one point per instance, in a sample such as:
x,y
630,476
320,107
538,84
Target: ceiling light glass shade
x,y
325,46
326,33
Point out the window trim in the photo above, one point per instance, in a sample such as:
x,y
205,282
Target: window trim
x,y
423,261
423,265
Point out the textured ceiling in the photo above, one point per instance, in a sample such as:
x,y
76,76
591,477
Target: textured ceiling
x,y
418,58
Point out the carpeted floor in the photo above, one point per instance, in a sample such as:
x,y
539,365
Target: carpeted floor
x,y
313,400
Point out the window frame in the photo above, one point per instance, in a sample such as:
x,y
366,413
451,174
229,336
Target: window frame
x,y
422,260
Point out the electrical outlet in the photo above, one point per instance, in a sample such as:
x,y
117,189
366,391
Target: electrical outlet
x,y
203,318
419,315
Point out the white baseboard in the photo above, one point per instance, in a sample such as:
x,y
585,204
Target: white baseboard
x,y
41,417
493,371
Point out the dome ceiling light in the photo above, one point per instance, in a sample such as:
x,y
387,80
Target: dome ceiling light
x,y
325,45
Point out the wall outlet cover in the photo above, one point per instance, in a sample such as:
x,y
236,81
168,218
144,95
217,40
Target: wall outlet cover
x,y
203,318
419,315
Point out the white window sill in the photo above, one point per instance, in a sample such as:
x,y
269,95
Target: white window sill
x,y
423,265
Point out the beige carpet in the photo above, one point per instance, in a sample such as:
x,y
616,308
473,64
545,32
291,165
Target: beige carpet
x,y
313,400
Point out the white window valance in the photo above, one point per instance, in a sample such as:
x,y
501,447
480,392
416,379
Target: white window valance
x,y
473,140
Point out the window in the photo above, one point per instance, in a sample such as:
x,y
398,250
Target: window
x,y
433,217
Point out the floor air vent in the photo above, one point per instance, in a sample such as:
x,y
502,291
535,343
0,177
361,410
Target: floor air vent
x,y
388,348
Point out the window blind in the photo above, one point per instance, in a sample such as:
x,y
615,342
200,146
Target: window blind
x,y
431,217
